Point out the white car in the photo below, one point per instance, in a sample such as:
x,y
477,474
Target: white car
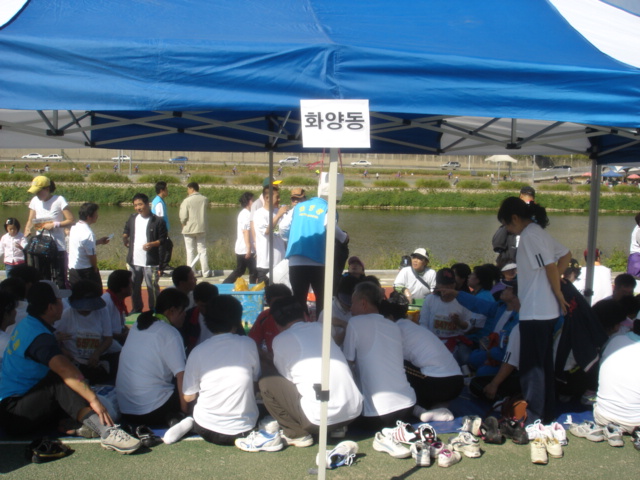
x,y
451,165
32,156
289,161
361,163
122,158
53,156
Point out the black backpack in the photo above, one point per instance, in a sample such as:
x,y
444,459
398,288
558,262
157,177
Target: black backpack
x,y
42,253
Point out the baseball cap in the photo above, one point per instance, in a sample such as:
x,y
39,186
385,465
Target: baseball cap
x,y
38,183
265,182
297,193
420,252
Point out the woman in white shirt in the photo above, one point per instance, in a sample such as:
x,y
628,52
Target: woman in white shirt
x,y
152,362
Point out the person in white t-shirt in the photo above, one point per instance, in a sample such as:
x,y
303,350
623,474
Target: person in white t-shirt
x,y
602,283
341,308
53,215
85,332
540,261
83,258
244,249
152,361
418,280
119,288
443,315
432,371
220,375
373,345
261,225
297,355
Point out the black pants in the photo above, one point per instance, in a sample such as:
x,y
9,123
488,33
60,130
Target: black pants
x,y
375,424
242,264
48,402
433,390
537,376
164,415
217,438
78,275
510,386
303,276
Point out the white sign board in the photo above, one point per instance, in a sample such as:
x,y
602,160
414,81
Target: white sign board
x,y
335,123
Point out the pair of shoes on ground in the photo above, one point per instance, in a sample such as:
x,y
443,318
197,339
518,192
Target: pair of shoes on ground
x,y
425,454
120,441
393,440
544,447
270,438
143,433
554,430
597,433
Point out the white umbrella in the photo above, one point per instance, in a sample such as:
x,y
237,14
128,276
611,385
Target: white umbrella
x,y
500,159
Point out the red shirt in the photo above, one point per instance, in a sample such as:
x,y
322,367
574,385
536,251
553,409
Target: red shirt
x,y
264,329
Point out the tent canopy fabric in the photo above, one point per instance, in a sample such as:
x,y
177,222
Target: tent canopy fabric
x,y
441,77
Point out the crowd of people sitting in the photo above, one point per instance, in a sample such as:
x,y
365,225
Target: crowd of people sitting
x,y
188,364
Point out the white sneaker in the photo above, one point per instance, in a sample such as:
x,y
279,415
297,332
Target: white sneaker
x,y
613,434
269,424
421,453
559,433
300,442
539,452
554,449
387,444
402,432
260,441
448,457
467,444
537,430
471,424
343,454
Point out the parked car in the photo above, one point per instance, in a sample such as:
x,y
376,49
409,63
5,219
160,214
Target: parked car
x,y
289,161
122,158
361,163
178,160
562,168
53,156
32,156
450,165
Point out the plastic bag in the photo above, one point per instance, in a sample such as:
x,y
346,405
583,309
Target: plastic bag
x,y
240,285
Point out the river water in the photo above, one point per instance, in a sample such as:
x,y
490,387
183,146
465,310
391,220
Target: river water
x,y
454,235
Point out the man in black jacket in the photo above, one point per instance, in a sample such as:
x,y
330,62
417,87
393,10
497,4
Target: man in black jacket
x,y
144,233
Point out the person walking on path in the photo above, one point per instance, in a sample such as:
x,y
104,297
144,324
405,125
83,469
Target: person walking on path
x,y
193,217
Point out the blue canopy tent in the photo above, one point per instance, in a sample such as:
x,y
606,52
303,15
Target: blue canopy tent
x,y
464,77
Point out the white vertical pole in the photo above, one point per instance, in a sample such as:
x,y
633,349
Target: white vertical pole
x,y
327,313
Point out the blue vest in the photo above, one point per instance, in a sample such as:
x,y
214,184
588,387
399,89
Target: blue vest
x,y
165,217
20,373
308,232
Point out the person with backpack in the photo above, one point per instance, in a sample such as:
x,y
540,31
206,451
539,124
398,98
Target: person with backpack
x,y
51,216
417,280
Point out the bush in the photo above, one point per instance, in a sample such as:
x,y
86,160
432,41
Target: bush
x,y
391,183
155,178
474,185
65,177
437,183
616,260
16,177
208,180
300,181
555,187
626,189
249,180
583,188
516,186
106,177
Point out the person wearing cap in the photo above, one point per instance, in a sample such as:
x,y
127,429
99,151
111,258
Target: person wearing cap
x,y
143,235
504,243
373,348
443,315
53,215
83,259
602,283
355,268
418,280
290,397
39,383
259,203
245,249
193,217
85,332
296,196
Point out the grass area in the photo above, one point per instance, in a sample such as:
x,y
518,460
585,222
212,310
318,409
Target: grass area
x,y
391,184
170,179
582,460
474,184
433,183
554,187
107,177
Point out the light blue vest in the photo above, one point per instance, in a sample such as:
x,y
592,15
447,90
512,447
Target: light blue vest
x,y
308,232
155,202
20,373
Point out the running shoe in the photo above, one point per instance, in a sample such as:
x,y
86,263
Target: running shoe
x,y
426,433
300,442
421,453
342,455
471,424
448,457
539,451
613,434
537,430
635,438
388,444
269,424
554,449
402,432
260,441
491,432
467,444
585,429
559,433
120,441
515,431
